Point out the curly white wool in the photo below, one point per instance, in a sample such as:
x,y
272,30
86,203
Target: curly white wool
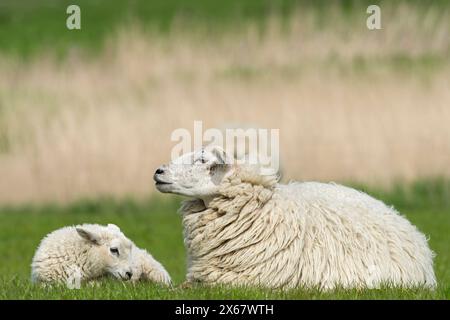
x,y
259,232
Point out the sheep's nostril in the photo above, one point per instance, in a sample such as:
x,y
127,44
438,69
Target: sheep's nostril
x,y
159,171
129,274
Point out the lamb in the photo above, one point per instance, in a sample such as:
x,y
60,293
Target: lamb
x,y
82,253
89,251
245,228
146,268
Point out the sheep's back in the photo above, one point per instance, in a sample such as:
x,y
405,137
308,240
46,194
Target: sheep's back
x,y
307,234
350,238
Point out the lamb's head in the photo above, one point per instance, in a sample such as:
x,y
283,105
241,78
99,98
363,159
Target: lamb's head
x,y
196,174
110,249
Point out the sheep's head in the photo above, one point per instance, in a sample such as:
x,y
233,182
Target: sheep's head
x,y
196,174
110,249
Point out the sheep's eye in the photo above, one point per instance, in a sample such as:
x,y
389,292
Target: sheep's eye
x,y
114,251
201,159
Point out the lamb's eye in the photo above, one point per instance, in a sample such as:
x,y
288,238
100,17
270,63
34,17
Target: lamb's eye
x,y
114,251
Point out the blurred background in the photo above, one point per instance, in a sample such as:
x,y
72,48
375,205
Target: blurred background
x,y
87,113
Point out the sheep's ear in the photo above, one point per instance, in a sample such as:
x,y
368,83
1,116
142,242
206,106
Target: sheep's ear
x,y
113,227
88,235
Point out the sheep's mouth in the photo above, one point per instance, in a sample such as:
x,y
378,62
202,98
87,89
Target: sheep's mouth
x,y
122,277
163,182
159,181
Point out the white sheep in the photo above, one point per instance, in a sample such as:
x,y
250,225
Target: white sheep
x,y
89,251
244,228
146,268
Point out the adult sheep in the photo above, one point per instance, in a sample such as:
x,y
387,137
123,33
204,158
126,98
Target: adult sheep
x,y
243,228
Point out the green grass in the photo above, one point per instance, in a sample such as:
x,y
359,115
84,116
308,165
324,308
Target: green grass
x,y
155,225
27,27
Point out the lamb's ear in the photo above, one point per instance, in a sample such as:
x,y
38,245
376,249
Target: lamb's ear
x,y
88,235
113,227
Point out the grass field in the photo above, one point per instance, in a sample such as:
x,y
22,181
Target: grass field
x,y
88,114
155,225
